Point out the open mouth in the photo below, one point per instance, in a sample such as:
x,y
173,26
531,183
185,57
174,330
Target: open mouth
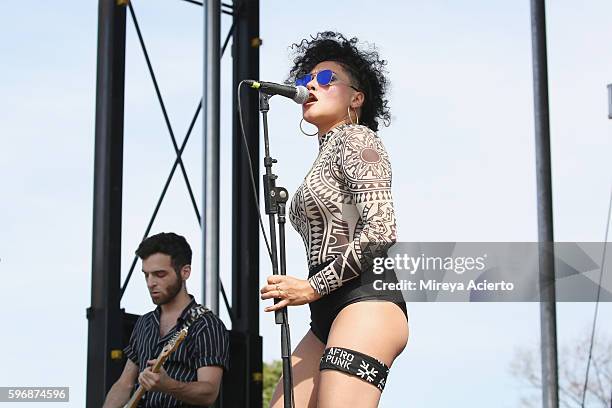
x,y
311,99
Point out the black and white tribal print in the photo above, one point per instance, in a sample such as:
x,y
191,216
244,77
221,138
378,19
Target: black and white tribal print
x,y
344,209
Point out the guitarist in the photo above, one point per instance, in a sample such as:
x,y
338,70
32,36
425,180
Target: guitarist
x,y
191,375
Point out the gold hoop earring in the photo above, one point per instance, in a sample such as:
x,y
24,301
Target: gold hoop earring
x,y
307,134
348,111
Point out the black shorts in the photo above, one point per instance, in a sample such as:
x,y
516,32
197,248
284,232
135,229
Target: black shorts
x,y
324,311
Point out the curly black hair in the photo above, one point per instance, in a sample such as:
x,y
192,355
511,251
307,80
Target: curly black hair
x,y
365,67
167,243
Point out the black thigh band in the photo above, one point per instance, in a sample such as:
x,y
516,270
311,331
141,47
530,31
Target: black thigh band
x,y
369,369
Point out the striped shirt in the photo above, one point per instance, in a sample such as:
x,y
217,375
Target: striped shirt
x,y
206,344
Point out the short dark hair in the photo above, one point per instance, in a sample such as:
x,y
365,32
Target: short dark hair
x,y
364,66
167,243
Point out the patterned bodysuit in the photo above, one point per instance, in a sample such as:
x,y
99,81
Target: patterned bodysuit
x,y
344,210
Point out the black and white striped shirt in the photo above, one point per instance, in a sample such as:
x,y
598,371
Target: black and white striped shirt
x,y
206,344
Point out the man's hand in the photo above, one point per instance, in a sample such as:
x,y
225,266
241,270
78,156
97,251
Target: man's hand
x,y
154,381
292,291
204,391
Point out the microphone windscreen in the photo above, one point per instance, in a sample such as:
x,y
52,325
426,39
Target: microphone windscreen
x,y
301,94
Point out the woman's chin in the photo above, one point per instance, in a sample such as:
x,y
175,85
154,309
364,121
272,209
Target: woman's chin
x,y
310,119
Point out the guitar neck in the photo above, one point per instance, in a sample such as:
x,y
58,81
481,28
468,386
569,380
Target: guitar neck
x,y
170,347
133,402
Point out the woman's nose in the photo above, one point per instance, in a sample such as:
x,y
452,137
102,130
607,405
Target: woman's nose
x,y
311,83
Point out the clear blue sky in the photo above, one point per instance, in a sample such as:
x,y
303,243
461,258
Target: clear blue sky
x,y
461,146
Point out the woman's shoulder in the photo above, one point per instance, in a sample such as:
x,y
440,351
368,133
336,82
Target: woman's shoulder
x,y
358,137
351,130
362,155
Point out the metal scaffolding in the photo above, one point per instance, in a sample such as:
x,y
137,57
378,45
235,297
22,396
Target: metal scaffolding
x,y
109,325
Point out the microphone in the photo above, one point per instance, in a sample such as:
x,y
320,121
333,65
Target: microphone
x,y
299,94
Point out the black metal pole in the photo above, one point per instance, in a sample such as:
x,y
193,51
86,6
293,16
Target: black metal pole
x,y
104,357
548,318
282,198
245,226
243,384
275,198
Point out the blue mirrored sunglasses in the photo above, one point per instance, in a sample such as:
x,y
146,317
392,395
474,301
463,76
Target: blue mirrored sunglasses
x,y
324,78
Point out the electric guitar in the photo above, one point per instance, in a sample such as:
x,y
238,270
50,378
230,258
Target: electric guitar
x,y
170,347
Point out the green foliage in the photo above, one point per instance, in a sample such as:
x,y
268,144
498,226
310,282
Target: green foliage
x,y
271,374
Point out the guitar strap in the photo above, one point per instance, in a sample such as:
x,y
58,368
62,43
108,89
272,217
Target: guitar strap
x,y
194,314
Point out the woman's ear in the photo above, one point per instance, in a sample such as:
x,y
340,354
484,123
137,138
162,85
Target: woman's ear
x,y
358,99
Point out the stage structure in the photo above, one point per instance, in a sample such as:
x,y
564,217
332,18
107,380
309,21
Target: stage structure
x,y
109,326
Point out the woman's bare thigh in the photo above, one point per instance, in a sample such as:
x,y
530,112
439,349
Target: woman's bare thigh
x,y
305,362
376,328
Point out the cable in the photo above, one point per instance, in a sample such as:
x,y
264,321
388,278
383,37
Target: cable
x,y
246,147
603,258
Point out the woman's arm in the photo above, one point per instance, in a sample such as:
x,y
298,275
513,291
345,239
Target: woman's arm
x,y
367,171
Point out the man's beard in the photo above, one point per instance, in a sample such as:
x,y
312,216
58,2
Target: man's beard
x,y
173,290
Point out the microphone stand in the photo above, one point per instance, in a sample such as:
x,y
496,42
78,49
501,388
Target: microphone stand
x,y
275,199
